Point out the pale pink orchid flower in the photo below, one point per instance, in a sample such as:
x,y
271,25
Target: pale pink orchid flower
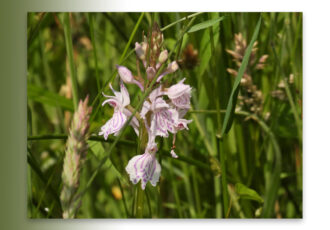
x,y
162,116
145,167
120,115
180,95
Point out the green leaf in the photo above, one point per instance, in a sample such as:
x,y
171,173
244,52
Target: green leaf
x,y
204,25
247,193
228,121
44,96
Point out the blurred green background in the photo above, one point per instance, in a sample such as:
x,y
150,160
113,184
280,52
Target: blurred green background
x,y
265,141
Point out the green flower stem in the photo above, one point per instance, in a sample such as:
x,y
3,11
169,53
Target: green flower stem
x,y
69,50
91,27
180,20
139,194
220,150
65,136
139,198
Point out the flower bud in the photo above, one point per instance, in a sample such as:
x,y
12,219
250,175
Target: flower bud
x,y
140,51
172,67
163,56
125,74
151,72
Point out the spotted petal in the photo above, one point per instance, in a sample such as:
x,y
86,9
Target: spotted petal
x,y
163,121
182,102
180,95
144,168
113,125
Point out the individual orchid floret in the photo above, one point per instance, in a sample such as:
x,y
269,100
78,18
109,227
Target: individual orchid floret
x,y
127,76
163,121
118,102
180,95
182,124
145,167
163,118
171,68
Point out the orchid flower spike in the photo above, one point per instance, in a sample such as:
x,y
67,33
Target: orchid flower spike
x,y
127,76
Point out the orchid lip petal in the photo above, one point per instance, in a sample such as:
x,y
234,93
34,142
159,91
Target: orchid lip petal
x,y
144,168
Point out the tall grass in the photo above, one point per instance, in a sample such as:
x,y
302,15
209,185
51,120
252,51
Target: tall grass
x,y
253,170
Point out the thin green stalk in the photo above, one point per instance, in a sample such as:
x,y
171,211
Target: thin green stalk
x,y
116,25
124,199
91,28
203,134
180,20
220,149
290,98
175,191
50,82
186,170
196,192
42,196
148,203
36,169
139,197
69,50
187,160
34,31
224,186
65,136
217,194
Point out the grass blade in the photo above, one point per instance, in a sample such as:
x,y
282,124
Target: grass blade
x,y
43,96
69,50
91,27
204,25
228,120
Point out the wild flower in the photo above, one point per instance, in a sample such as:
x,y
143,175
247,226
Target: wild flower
x,y
162,111
121,113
